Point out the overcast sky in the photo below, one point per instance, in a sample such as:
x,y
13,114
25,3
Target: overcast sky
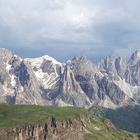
x,y
67,28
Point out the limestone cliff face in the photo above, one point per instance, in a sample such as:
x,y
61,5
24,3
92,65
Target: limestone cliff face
x,y
78,82
51,129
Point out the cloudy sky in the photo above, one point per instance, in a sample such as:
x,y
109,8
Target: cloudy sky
x,y
67,28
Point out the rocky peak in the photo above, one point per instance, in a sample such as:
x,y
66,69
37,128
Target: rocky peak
x,y
107,67
135,57
81,59
39,60
107,64
5,54
137,53
120,65
132,74
70,90
83,66
77,82
120,60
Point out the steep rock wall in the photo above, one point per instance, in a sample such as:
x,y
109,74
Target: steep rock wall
x,y
51,129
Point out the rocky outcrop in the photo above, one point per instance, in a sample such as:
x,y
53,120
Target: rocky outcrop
x,y
51,129
70,90
133,74
120,65
18,82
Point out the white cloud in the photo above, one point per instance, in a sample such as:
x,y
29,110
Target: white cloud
x,y
92,25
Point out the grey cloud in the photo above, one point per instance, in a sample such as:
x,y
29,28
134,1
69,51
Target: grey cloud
x,y
67,28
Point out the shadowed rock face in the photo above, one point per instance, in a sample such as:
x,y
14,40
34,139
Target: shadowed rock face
x,y
23,74
133,70
133,74
120,65
70,90
18,83
111,83
52,129
47,66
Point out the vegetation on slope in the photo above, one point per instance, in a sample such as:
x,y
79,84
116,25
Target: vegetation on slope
x,y
126,118
102,129
98,128
18,115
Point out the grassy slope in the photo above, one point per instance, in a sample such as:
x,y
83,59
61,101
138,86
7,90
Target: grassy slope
x,y
102,129
12,116
19,115
127,118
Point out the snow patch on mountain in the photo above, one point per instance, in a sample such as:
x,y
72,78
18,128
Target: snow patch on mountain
x,y
8,67
12,76
38,61
13,81
47,80
77,82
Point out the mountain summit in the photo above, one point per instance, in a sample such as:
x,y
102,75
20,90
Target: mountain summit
x,y
45,81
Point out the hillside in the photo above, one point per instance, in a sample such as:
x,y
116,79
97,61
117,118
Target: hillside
x,y
18,115
126,118
55,123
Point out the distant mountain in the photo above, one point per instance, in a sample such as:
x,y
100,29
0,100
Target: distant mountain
x,y
78,82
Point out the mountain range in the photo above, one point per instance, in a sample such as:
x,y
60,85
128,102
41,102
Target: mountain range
x,y
111,83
